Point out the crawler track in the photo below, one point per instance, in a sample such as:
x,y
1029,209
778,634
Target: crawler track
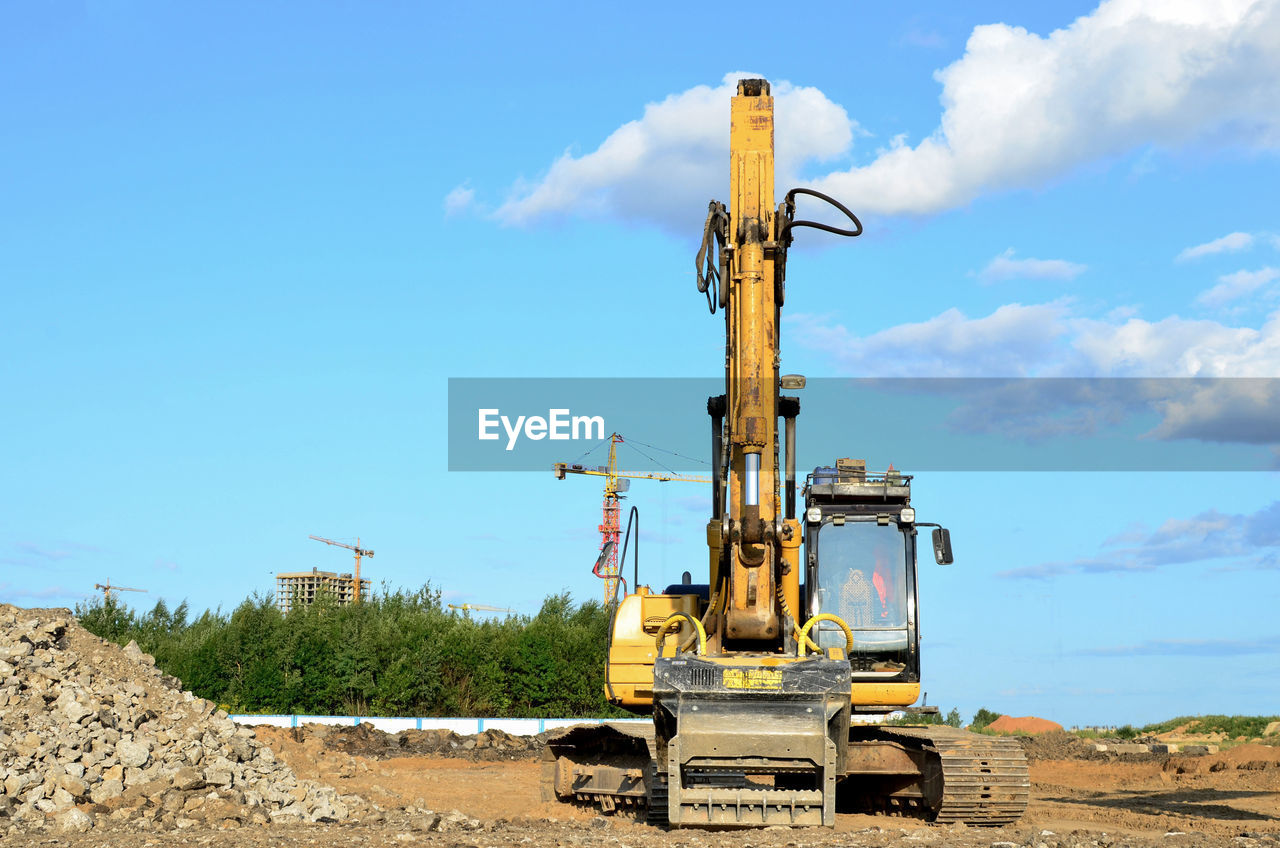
x,y
984,779
965,777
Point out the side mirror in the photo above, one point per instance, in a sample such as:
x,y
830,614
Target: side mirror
x,y
942,546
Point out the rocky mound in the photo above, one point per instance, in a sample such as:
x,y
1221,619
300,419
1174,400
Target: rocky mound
x,y
93,736
1023,724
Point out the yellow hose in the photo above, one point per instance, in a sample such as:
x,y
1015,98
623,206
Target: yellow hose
x,y
786,610
672,619
825,616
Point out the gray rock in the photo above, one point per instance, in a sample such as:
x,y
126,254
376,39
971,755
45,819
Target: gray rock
x,y
427,823
187,778
293,812
132,754
74,786
240,749
218,776
105,791
455,821
74,821
75,711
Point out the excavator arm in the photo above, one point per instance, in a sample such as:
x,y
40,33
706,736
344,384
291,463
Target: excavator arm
x,y
751,314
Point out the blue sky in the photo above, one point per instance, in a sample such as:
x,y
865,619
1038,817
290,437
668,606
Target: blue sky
x,y
244,248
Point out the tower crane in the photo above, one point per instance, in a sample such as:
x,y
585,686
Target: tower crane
x,y
479,607
359,552
615,483
107,589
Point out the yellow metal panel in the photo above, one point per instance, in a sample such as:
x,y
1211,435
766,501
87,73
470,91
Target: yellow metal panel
x,y
884,694
632,651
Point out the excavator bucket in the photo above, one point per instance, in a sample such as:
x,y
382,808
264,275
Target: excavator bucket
x,y
747,745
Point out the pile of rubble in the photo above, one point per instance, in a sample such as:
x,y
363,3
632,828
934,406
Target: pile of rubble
x,y
93,736
365,740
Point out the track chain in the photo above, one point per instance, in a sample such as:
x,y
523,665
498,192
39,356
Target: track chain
x,y
984,778
656,814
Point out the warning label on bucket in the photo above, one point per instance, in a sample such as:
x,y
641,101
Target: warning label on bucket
x,y
752,678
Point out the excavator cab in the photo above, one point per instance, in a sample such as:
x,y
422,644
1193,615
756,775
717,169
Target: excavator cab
x,y
860,544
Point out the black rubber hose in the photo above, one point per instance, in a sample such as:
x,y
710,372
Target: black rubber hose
x,y
633,516
791,205
712,232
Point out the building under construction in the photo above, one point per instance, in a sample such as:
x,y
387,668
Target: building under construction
x,y
301,588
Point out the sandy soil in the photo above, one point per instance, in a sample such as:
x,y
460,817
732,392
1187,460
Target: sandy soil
x,y
1232,798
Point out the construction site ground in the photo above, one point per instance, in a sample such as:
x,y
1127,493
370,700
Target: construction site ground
x,y
487,789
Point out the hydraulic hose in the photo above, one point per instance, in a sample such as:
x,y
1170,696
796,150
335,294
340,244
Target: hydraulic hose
x,y
672,619
716,596
795,625
826,616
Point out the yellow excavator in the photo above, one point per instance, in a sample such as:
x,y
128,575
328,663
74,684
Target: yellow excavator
x,y
770,684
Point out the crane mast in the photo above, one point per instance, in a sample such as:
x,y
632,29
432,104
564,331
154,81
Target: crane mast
x,y
610,528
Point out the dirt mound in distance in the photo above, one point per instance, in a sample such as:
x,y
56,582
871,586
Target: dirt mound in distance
x,y
1059,745
1023,724
1249,757
365,740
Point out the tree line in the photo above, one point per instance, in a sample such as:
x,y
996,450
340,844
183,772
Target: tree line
x,y
397,653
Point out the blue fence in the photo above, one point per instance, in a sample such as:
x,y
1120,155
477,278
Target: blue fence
x,y
461,726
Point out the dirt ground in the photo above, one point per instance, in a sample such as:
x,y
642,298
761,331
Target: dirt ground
x,y
490,789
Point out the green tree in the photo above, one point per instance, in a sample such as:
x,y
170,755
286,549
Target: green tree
x,y
982,718
396,653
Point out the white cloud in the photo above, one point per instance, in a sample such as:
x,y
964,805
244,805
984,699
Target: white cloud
x,y
1020,108
1048,341
1236,285
1006,267
1248,540
1014,340
1176,347
1228,243
1045,340
459,200
672,159
1243,411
